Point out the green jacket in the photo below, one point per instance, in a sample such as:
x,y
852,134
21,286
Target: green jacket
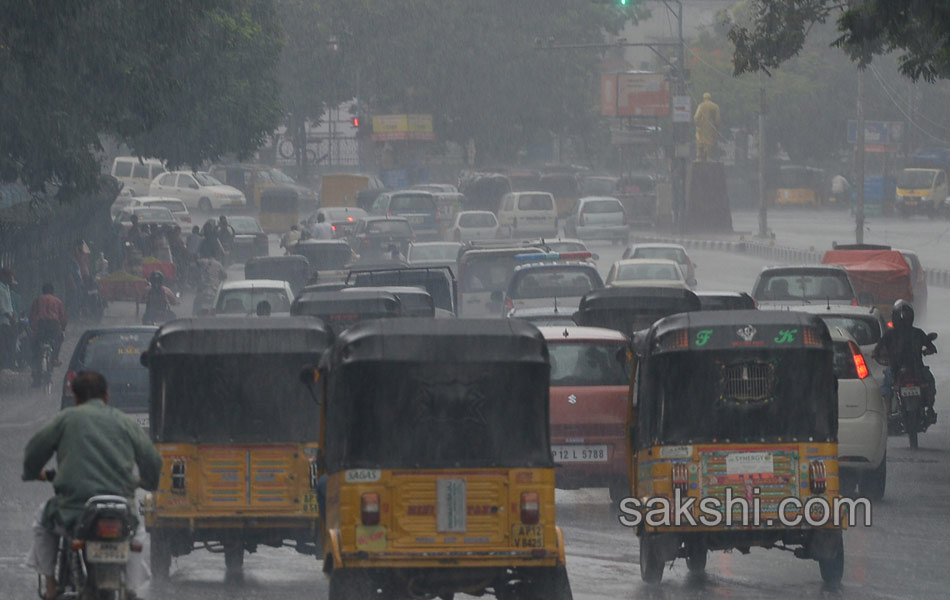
x,y
97,448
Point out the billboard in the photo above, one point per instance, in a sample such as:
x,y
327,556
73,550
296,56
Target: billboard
x,y
635,94
402,128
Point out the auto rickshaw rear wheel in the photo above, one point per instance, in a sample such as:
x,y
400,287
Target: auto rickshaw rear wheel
x,y
234,557
350,584
696,558
832,568
160,558
547,584
651,566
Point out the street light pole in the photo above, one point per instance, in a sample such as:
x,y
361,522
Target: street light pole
x,y
859,166
763,199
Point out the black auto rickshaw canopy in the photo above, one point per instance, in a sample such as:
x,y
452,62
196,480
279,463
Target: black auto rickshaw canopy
x,y
233,379
342,309
742,376
295,270
324,255
432,393
440,282
634,308
413,301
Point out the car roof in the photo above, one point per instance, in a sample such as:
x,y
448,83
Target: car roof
x,y
557,333
427,244
799,268
476,212
119,330
838,309
254,284
147,199
646,261
596,198
558,264
373,218
658,245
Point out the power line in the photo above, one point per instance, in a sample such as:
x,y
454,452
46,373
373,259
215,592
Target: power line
x,y
919,114
901,110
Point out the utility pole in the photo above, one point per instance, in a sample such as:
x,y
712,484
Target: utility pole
x,y
859,163
763,197
680,130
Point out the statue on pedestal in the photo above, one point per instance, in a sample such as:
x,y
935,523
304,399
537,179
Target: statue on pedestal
x,y
707,128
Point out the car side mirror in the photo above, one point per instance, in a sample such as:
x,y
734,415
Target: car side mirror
x,y
931,336
691,282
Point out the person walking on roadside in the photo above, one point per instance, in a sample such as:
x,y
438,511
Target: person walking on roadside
x,y
8,332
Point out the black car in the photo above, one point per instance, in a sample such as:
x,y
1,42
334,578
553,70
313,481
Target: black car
x,y
115,352
249,239
373,236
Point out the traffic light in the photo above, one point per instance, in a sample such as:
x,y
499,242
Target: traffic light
x,y
355,122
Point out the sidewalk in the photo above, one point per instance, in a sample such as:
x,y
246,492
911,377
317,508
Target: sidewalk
x,y
802,237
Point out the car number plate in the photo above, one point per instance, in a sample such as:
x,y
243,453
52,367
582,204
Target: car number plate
x,y
107,552
141,419
910,390
527,536
579,453
417,220
910,202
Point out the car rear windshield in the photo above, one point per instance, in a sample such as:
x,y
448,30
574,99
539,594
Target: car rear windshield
x,y
587,364
535,202
477,220
245,301
448,415
914,179
245,225
486,274
413,203
654,272
433,252
804,286
602,206
154,215
172,205
553,282
108,351
844,361
400,228
864,330
674,254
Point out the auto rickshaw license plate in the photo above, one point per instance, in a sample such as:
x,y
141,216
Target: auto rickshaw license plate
x,y
910,390
579,453
107,552
527,536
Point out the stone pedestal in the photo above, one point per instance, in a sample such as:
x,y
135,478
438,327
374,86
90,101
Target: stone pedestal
x,y
707,199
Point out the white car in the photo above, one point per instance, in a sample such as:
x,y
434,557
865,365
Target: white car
x,y
241,298
176,206
640,272
431,254
674,252
865,324
197,190
598,218
474,225
862,420
550,280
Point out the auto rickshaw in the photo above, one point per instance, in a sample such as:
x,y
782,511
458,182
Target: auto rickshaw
x,y
755,419
440,477
630,309
295,270
340,310
237,435
280,210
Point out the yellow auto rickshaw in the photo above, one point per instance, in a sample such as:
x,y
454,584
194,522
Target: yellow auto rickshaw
x,y
279,211
440,477
237,434
749,437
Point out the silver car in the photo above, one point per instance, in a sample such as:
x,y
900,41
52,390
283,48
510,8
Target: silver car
x,y
598,218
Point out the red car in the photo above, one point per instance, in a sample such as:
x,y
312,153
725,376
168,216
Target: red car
x,y
589,386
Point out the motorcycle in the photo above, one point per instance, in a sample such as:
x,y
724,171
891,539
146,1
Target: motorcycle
x,y
91,560
912,392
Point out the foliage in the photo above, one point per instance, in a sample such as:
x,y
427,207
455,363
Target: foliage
x,y
868,28
183,80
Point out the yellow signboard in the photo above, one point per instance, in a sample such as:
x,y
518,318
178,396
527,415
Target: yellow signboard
x,y
403,128
391,124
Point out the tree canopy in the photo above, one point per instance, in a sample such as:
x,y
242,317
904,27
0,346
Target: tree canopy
x,y
916,29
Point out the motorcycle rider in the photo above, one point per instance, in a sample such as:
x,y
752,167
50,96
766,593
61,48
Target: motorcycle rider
x,y
904,346
158,300
211,274
47,324
96,448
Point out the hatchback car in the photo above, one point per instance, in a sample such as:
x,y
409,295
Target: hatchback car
x,y
243,297
474,225
559,280
673,252
373,236
598,218
862,420
197,190
866,325
418,207
146,215
643,272
807,284
589,386
114,352
174,205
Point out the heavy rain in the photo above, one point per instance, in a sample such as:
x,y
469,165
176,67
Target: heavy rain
x,y
525,299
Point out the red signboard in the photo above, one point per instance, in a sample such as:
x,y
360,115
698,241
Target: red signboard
x,y
635,94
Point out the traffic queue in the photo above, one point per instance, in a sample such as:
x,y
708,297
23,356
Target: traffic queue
x,y
414,451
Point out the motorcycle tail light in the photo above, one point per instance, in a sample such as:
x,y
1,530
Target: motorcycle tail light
x,y
817,477
859,365
530,508
135,546
369,508
108,529
77,545
680,477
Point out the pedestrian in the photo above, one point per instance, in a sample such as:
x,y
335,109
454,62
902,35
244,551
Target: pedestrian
x,y
840,189
8,333
194,241
290,238
225,236
322,230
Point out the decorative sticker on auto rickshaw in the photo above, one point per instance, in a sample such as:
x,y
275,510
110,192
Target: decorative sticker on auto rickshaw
x,y
786,336
768,474
702,336
371,537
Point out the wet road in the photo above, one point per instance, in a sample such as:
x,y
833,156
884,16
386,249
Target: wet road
x,y
900,556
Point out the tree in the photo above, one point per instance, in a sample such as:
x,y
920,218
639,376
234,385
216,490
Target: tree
x,y
867,28
182,80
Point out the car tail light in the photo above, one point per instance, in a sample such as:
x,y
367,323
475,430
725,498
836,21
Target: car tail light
x,y
108,529
369,508
178,476
530,508
817,477
854,301
68,383
859,365
890,324
135,546
509,305
680,477
77,545
334,227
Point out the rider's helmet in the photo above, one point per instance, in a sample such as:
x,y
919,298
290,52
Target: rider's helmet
x,y
156,279
902,315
